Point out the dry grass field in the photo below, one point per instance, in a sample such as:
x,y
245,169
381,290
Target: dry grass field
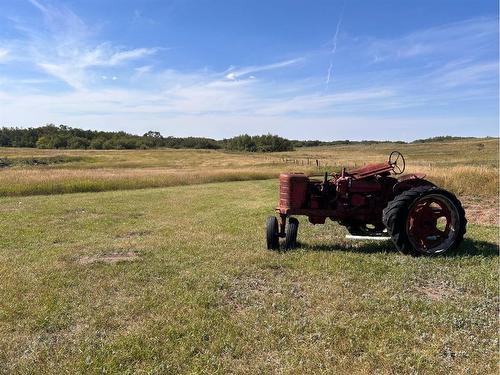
x,y
460,166
176,279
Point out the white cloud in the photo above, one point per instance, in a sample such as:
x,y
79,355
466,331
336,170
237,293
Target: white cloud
x,y
72,66
63,49
124,110
4,54
134,54
65,72
39,6
143,69
464,37
235,74
465,73
317,104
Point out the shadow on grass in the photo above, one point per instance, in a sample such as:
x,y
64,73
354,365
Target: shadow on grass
x,y
361,247
467,248
470,248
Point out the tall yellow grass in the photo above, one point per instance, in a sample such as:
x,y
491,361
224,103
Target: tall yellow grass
x,y
464,167
58,181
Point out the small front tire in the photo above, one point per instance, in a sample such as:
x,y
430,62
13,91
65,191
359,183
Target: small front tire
x,y
291,233
272,237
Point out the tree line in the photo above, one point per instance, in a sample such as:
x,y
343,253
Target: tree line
x,y
65,137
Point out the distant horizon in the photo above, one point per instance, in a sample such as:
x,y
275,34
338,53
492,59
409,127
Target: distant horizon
x,y
322,70
260,134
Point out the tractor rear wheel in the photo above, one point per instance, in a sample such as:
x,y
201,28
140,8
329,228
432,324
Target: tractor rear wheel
x,y
272,237
291,233
425,220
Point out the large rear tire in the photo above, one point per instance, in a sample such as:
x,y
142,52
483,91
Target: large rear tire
x,y
291,233
425,220
272,237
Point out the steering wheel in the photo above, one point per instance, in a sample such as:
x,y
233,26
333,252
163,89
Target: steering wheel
x,y
397,162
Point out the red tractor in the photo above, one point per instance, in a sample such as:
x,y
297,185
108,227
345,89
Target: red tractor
x,y
371,202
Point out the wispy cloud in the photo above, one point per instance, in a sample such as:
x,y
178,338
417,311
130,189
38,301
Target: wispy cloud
x,y
64,49
476,35
131,111
460,73
123,56
58,19
237,73
141,70
138,17
3,54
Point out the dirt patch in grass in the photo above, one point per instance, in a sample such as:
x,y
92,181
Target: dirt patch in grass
x,y
114,257
247,291
437,291
263,289
480,210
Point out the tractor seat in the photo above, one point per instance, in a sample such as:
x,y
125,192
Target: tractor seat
x,y
370,170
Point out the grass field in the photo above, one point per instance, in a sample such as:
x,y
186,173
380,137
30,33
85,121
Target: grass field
x,y
177,279
460,166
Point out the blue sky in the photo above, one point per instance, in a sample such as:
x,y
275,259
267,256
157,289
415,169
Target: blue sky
x,y
300,69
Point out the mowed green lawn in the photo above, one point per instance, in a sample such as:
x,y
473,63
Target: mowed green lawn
x,y
177,280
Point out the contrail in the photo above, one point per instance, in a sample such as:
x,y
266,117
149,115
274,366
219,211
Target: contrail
x,y
329,73
334,47
335,37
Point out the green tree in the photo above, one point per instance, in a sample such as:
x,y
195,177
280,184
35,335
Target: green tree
x,y
78,143
44,142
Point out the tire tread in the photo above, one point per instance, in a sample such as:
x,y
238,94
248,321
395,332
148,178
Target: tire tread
x,y
394,217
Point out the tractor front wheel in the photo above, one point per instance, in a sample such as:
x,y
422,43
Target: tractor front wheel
x,y
425,220
291,233
272,237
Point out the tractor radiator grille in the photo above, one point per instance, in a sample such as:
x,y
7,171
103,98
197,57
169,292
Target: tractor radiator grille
x,y
293,189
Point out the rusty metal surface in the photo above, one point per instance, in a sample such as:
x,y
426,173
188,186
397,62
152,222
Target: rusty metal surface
x,y
355,196
293,190
371,170
423,226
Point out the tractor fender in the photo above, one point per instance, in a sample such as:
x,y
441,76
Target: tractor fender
x,y
410,181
